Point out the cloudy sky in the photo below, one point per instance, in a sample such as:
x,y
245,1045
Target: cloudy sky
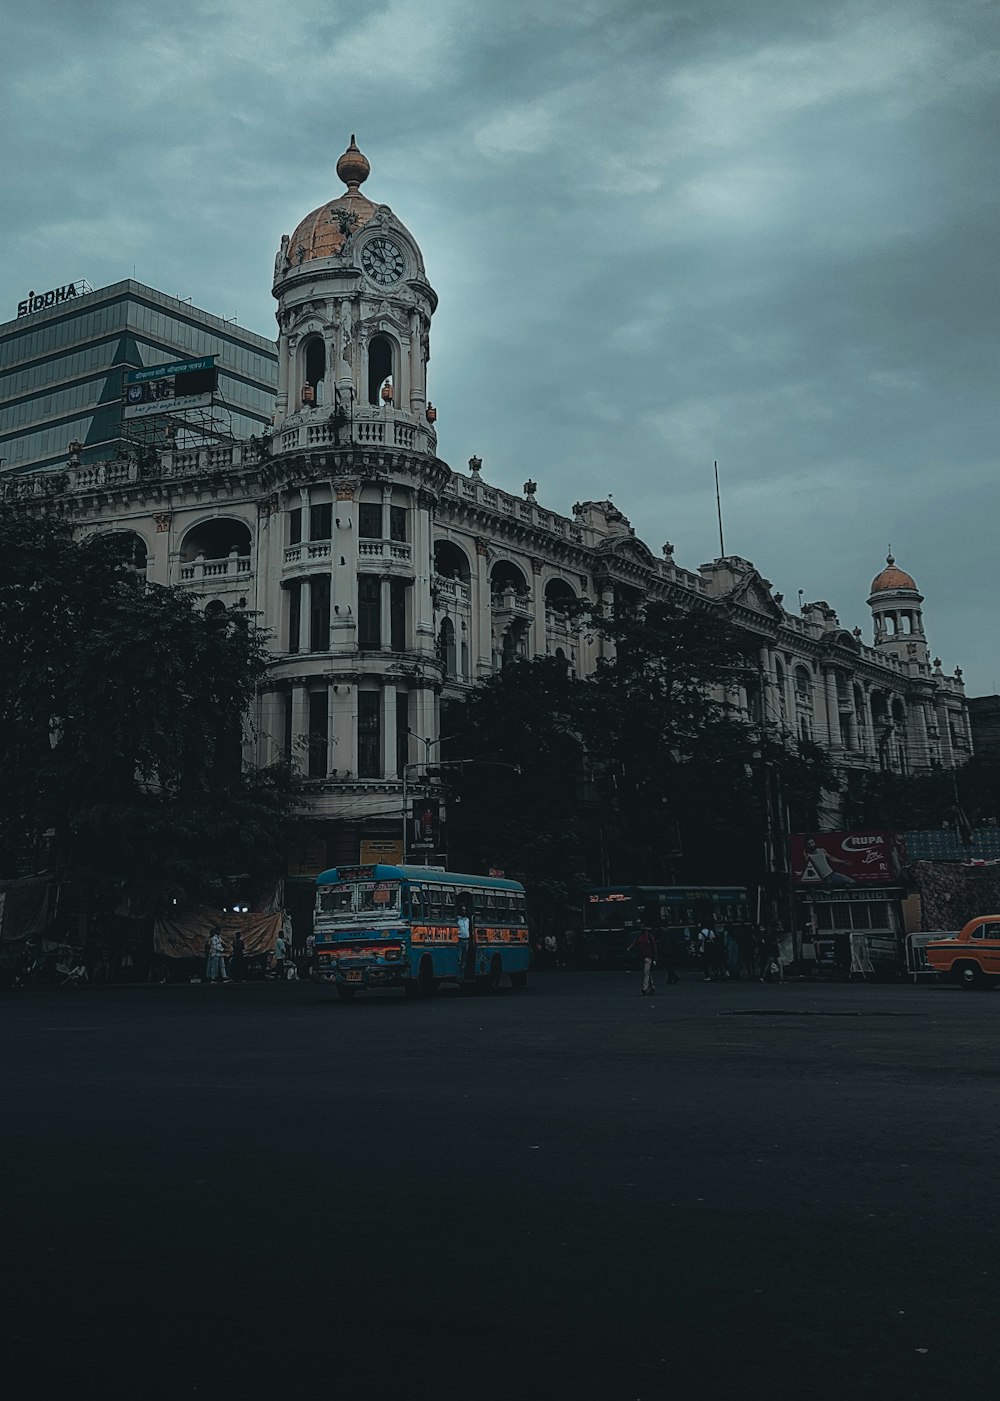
x,y
662,233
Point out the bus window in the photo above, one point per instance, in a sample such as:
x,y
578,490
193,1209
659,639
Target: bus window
x,y
434,901
448,901
491,901
335,899
378,897
479,902
417,906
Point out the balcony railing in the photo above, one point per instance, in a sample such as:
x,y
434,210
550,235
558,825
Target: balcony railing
x,y
451,588
397,550
201,569
517,605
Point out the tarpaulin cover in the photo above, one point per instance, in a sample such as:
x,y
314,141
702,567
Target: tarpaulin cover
x,y
183,935
24,915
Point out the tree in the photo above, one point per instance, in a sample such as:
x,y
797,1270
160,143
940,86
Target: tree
x,y
122,708
620,769
515,803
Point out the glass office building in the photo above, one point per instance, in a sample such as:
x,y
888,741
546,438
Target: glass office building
x,y
62,369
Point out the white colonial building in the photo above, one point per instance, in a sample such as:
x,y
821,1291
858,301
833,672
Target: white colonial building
x,y
385,580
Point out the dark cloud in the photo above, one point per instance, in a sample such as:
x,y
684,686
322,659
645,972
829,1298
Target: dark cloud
x,y
662,233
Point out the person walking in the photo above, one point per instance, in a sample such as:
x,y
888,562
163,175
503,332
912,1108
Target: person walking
x,y
280,954
644,944
215,970
310,955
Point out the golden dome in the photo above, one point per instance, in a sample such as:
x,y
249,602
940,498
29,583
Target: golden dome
x,y
892,578
323,233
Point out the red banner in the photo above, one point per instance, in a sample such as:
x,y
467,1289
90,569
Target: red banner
x,y
836,860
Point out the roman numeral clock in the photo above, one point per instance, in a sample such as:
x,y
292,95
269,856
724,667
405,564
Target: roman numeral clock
x,y
383,261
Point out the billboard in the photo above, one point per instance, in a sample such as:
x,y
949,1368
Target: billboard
x,y
837,860
186,384
425,825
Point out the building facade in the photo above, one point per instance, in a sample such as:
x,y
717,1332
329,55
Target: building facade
x,y
388,581
62,369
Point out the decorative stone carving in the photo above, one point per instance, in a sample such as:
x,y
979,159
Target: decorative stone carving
x,y
475,465
162,519
281,258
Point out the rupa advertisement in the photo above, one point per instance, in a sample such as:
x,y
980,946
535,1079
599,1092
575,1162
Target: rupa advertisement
x,y
836,860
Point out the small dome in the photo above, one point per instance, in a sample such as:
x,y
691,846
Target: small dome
x,y
323,233
892,578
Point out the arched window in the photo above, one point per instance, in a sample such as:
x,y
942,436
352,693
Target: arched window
x,y
216,539
132,550
506,577
379,367
315,368
559,597
451,561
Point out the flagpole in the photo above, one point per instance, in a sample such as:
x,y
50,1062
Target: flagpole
x,y
718,507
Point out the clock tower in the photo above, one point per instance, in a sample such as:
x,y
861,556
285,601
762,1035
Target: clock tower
x,y
354,315
352,694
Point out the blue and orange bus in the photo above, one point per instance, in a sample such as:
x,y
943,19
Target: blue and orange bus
x,y
402,927
612,915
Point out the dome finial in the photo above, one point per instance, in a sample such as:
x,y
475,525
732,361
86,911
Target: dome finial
x,y
889,559
353,167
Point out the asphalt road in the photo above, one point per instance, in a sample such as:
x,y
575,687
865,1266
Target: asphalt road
x,y
724,1191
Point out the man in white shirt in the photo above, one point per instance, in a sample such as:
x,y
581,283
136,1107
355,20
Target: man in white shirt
x,y
280,953
216,969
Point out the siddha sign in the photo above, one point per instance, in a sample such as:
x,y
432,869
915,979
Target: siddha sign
x,y
40,301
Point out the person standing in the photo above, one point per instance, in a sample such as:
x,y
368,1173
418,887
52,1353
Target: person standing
x,y
280,954
216,966
310,955
237,963
464,925
644,944
706,943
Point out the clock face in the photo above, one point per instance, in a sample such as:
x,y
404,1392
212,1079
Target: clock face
x,y
383,261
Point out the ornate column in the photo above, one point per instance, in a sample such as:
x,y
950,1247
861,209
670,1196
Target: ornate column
x,y
305,610
272,726
385,612
538,621
871,746
388,731
344,724
344,568
300,725
423,570
482,613
832,709
944,730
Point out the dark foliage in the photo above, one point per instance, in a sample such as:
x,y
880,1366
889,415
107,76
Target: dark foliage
x,y
644,772
121,716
